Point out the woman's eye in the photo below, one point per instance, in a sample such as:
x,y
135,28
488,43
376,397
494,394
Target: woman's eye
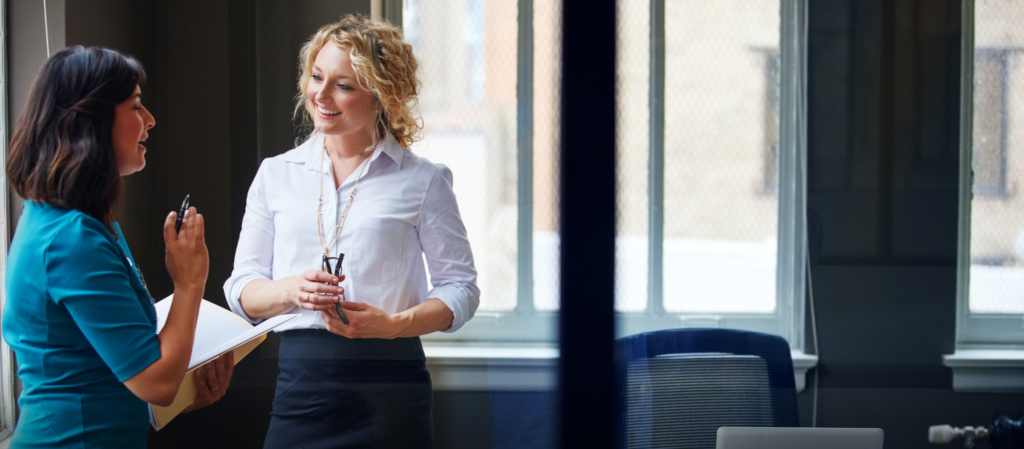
x,y
344,87
316,77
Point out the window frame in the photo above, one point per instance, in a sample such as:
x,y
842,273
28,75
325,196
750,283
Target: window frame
x,y
525,325
7,374
974,330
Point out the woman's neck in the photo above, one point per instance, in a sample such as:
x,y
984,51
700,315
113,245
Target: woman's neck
x,y
348,146
346,151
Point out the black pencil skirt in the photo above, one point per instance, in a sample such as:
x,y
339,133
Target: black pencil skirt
x,y
336,392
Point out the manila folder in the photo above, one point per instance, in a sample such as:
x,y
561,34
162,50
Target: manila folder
x,y
217,332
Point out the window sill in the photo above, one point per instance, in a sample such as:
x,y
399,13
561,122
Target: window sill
x,y
986,370
522,368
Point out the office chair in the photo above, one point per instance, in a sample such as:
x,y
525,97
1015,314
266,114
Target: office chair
x,y
677,387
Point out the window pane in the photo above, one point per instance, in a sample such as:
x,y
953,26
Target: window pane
x,y
467,55
632,155
632,151
721,135
547,28
997,211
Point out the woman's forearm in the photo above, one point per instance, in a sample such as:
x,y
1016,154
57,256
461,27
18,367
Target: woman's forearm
x,y
158,383
263,298
431,316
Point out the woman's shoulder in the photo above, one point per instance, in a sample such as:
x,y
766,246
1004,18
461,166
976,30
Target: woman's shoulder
x,y
44,229
62,223
420,164
430,172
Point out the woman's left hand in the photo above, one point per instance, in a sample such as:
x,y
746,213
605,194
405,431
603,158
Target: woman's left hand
x,y
212,381
364,321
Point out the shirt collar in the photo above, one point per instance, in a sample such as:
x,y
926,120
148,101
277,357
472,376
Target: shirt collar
x,y
391,148
310,152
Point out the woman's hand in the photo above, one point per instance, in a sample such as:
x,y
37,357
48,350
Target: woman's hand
x,y
186,257
364,321
212,381
313,290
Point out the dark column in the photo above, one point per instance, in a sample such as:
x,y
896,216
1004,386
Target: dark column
x,y
242,69
587,319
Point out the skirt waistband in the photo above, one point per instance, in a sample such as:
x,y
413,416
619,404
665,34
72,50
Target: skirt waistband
x,y
323,345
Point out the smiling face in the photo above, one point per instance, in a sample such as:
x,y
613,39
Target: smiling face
x,y
338,104
132,122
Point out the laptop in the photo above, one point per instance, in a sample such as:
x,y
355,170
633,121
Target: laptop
x,y
798,438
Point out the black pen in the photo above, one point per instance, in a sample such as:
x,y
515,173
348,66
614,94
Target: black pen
x,y
181,215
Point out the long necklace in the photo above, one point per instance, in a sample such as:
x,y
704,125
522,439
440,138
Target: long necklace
x,y
319,204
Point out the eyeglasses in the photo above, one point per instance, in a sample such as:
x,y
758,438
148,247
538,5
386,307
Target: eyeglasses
x,y
326,266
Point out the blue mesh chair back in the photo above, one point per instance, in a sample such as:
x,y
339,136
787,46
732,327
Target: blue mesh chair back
x,y
678,386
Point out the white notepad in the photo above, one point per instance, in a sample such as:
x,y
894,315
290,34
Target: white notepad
x,y
217,332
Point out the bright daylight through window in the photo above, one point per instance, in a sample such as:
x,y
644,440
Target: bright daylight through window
x,y
716,139
997,209
992,157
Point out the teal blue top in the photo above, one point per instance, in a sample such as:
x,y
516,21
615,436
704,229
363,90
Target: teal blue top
x,y
80,322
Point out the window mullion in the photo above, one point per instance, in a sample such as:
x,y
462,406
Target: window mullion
x,y
524,141
392,10
656,167
792,241
965,172
7,376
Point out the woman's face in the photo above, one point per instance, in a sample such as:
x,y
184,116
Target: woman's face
x,y
131,126
338,103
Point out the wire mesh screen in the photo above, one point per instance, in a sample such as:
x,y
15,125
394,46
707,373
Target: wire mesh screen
x,y
997,210
632,154
547,55
632,151
721,140
467,54
680,400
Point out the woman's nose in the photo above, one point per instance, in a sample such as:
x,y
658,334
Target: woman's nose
x,y
321,93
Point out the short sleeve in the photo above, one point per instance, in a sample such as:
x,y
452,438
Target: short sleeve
x,y
87,276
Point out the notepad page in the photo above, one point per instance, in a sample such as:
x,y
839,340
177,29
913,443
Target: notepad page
x,y
214,329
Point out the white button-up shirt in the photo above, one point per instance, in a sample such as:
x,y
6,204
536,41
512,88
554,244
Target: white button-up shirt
x,y
404,209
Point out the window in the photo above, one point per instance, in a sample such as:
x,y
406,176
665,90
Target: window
x,y
770,123
991,75
710,171
7,376
991,269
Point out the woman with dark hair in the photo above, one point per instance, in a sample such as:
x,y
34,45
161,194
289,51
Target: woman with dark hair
x,y
78,315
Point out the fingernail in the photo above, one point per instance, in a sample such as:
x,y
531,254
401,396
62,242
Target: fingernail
x,y
335,280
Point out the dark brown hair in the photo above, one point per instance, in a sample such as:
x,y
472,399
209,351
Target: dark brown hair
x,y
62,151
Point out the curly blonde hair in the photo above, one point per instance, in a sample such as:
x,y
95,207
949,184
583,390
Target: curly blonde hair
x,y
384,65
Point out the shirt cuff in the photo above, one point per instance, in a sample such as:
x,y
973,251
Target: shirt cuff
x,y
233,291
456,300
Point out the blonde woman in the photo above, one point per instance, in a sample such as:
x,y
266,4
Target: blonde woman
x,y
353,372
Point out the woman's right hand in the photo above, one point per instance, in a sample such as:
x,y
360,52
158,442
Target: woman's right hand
x,y
313,290
186,257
